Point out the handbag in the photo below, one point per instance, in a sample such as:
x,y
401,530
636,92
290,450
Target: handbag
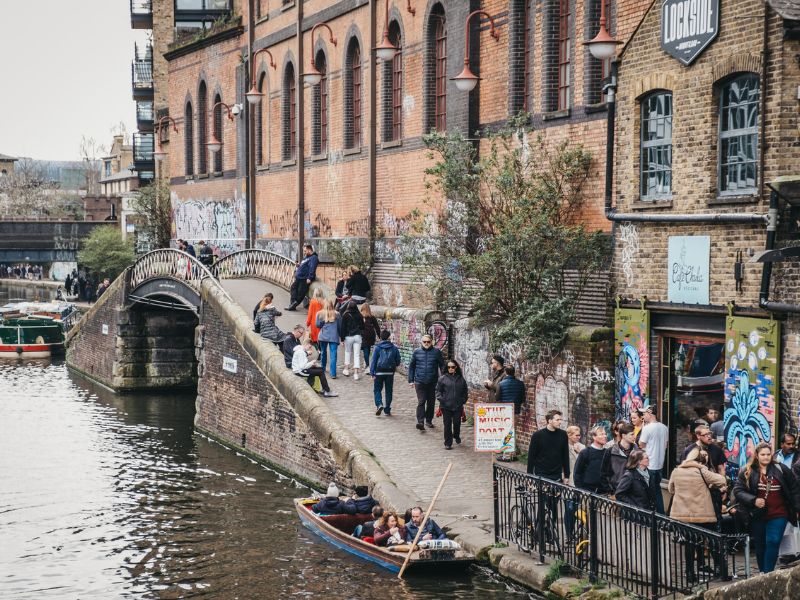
x,y
716,499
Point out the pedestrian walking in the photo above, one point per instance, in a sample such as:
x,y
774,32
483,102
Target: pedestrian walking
x,y
638,422
548,451
589,465
654,440
451,392
304,274
496,376
372,331
264,322
769,492
617,455
314,306
206,254
103,287
637,486
424,368
385,361
511,390
329,323
351,329
788,454
342,292
692,502
575,448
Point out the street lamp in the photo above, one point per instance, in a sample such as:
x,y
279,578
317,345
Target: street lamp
x,y
214,145
159,154
313,76
467,80
254,96
603,46
386,50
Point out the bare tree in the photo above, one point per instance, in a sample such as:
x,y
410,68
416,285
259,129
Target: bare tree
x,y
27,191
91,152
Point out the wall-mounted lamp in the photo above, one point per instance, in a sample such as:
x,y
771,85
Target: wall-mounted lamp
x,y
603,46
467,80
254,96
313,76
159,154
386,50
214,145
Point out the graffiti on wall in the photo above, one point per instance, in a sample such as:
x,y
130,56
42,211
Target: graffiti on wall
x,y
283,224
631,339
407,335
629,238
751,384
220,222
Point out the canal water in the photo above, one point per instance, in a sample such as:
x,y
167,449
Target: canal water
x,y
114,496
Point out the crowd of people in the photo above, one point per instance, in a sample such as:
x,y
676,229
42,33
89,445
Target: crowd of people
x,y
764,499
385,528
22,271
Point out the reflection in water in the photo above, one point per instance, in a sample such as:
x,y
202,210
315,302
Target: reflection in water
x,y
108,496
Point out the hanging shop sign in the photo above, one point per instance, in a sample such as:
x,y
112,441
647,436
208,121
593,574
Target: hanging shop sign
x,y
631,347
687,269
752,364
688,27
494,428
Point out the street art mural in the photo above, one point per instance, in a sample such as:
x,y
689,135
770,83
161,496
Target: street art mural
x,y
751,383
221,223
408,329
631,339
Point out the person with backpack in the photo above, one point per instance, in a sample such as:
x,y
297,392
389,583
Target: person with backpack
x,y
385,360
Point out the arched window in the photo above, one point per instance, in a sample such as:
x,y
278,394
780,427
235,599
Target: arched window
x,y
319,107
440,113
260,124
202,129
393,88
352,96
218,133
564,55
289,114
188,139
738,135
655,146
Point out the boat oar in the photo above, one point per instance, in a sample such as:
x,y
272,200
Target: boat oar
x,y
425,520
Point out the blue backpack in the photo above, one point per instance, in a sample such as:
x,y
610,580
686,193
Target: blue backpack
x,y
385,361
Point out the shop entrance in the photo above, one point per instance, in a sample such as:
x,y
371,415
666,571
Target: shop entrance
x,y
692,378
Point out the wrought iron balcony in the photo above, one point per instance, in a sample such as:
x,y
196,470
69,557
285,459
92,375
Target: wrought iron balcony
x,y
142,14
142,73
145,116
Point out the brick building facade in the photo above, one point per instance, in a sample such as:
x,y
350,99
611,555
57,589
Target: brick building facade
x,y
700,144
346,158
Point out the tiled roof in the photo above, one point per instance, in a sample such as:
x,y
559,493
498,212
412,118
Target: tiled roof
x,y
5,157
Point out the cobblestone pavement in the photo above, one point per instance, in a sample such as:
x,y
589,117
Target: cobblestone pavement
x,y
415,460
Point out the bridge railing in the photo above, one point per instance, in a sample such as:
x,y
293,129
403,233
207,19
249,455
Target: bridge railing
x,y
261,264
170,263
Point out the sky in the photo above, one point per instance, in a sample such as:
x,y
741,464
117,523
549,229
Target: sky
x,y
65,72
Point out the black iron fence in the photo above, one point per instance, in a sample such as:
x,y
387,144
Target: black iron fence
x,y
642,552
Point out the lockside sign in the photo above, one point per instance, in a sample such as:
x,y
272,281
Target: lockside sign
x,y
688,27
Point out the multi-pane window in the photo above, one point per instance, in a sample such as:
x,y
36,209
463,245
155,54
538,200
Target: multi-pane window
x,y
440,57
188,139
259,122
564,54
319,104
356,81
526,94
289,114
738,135
397,82
656,146
218,133
352,96
202,129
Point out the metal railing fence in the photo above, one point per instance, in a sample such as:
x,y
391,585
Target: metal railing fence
x,y
260,264
642,552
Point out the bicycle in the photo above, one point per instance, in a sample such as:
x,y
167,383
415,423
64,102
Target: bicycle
x,y
524,522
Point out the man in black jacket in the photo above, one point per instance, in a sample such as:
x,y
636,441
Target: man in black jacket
x,y
423,373
588,473
291,340
548,452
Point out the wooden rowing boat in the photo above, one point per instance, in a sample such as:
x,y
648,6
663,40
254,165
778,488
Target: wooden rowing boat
x,y
326,528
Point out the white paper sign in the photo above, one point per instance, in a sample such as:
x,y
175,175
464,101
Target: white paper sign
x,y
688,269
105,329
229,364
494,428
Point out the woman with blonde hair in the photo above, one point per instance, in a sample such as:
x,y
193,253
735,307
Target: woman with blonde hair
x,y
575,448
770,493
314,306
329,323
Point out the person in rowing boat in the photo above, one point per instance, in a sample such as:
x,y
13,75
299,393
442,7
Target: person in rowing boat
x,y
431,532
389,532
330,504
367,530
361,503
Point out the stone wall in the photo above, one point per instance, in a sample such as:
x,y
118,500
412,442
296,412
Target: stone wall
x,y
578,381
408,325
778,585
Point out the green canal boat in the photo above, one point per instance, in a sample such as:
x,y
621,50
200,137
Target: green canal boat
x,y
32,329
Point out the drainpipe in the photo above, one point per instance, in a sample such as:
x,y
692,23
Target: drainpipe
x,y
766,274
373,101
300,156
614,216
249,137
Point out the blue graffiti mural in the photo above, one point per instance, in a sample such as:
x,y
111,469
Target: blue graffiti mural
x,y
743,421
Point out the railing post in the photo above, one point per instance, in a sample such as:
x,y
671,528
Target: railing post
x,y
593,566
654,555
496,496
722,556
540,518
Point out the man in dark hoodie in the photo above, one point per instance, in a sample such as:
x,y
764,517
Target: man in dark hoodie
x,y
305,273
385,360
361,503
588,473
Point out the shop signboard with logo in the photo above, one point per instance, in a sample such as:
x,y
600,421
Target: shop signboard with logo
x,y
494,428
752,365
687,269
688,27
631,347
